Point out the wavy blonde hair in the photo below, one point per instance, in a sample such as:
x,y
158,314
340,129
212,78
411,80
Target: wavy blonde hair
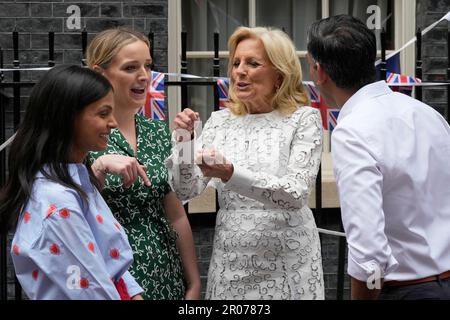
x,y
106,44
282,54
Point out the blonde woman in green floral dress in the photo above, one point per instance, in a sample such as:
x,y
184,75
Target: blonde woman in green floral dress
x,y
165,263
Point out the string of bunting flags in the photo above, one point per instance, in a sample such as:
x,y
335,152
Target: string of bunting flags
x,y
154,107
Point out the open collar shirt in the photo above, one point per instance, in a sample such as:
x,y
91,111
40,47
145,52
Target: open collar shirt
x,y
391,157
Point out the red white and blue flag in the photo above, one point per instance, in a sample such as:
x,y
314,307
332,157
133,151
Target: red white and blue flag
x,y
332,117
154,107
399,79
401,83
317,102
222,86
314,95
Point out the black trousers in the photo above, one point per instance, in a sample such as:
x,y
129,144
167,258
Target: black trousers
x,y
434,290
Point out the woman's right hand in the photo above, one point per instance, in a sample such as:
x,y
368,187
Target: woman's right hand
x,y
185,119
126,167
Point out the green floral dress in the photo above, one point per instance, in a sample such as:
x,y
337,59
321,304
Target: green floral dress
x,y
139,209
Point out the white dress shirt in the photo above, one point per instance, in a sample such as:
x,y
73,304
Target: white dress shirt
x,y
391,157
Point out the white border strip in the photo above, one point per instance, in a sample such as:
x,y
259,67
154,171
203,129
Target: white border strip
x,y
330,232
27,69
7,142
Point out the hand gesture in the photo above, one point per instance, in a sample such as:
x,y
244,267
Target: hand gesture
x,y
185,121
126,167
213,164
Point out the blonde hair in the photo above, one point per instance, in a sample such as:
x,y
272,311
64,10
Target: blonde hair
x,y
106,44
282,54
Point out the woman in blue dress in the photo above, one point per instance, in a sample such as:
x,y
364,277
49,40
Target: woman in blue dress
x,y
67,244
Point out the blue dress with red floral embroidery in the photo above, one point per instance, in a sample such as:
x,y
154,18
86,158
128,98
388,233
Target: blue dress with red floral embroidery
x,y
67,248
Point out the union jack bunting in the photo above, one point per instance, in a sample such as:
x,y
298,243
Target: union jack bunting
x,y
154,105
332,116
314,95
222,86
401,83
399,79
317,102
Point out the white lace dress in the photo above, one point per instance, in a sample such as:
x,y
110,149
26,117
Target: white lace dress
x,y
265,244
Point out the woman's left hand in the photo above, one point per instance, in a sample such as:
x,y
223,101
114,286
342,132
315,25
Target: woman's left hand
x,y
213,164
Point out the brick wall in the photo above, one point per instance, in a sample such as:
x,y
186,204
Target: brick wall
x,y
434,52
34,19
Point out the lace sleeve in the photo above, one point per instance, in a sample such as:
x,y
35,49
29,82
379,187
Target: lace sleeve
x,y
290,191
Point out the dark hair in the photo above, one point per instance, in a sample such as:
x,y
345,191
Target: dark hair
x,y
345,48
46,134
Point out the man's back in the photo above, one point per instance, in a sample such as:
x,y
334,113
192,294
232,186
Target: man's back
x,y
391,157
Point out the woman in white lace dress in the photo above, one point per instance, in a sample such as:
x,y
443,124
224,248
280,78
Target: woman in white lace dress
x,y
262,154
